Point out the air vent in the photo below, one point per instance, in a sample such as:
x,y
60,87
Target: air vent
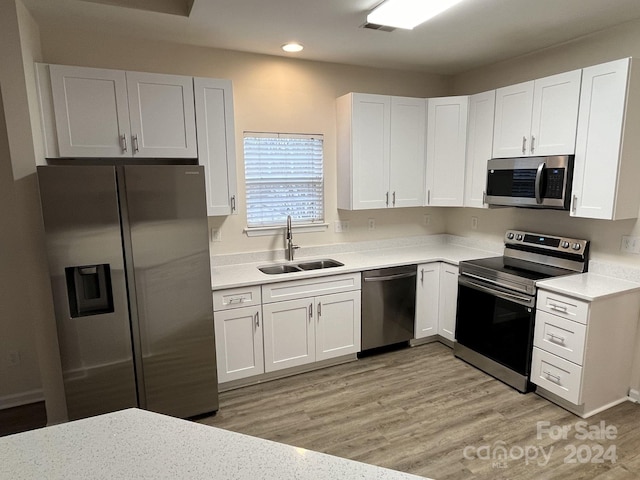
x,y
375,26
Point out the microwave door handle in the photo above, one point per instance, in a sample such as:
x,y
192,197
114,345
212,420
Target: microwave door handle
x,y
538,184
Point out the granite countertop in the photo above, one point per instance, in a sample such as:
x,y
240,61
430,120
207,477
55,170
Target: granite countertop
x,y
134,444
589,286
243,274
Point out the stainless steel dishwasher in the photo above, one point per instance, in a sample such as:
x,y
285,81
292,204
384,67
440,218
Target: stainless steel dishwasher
x,y
388,306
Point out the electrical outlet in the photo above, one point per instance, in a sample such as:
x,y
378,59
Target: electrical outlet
x,y
427,220
341,226
630,244
474,223
216,236
372,224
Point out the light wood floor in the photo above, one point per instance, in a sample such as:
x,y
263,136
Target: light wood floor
x,y
419,410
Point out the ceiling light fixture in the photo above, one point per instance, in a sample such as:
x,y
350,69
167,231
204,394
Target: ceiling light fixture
x,y
292,47
408,14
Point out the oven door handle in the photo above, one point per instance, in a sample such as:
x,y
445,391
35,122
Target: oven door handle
x,y
538,185
512,297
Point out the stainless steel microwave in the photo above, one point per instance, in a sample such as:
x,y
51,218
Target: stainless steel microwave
x,y
532,182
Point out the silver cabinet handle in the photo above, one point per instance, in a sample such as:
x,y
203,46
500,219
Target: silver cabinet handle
x,y
555,338
538,183
123,142
533,142
310,311
558,308
387,199
134,142
422,275
524,145
574,205
484,197
233,203
428,197
551,375
257,319
319,310
394,199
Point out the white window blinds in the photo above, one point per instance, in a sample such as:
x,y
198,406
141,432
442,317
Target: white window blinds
x,y
284,176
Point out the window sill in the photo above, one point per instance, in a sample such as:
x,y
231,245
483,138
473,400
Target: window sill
x,y
266,231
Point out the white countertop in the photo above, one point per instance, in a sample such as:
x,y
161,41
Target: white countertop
x,y
135,444
244,274
589,286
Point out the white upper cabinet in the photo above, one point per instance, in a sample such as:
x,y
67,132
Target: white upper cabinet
x,y
606,172
216,143
479,147
162,116
537,117
91,111
112,113
446,150
380,151
407,151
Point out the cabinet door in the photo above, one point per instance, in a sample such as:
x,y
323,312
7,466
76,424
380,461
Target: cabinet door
x,y
289,334
91,112
238,343
162,115
370,146
216,143
479,147
448,301
598,142
446,150
555,114
427,299
337,325
407,151
512,126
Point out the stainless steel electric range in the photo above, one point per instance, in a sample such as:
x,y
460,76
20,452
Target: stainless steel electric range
x,y
497,299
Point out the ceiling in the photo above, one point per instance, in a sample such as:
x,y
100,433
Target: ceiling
x,y
471,34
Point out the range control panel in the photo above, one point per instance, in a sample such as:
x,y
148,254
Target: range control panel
x,y
546,242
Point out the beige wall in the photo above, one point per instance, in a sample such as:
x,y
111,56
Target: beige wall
x,y
26,310
271,94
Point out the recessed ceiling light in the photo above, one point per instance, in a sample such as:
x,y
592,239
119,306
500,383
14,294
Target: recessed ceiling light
x,y
408,14
292,47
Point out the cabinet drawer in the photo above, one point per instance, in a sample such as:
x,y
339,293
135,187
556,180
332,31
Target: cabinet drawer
x,y
277,292
236,297
560,336
556,375
566,307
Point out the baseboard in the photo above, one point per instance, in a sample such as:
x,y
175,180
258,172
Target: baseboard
x,y
634,395
22,398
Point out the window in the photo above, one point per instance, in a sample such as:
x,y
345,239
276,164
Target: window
x,y
284,176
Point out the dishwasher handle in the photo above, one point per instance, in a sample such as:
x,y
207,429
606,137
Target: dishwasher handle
x,y
390,277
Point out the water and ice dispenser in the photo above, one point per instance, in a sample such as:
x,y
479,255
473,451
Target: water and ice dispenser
x,y
89,290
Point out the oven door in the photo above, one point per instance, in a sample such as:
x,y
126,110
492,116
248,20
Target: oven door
x,y
496,322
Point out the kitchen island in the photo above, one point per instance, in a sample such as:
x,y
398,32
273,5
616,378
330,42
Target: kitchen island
x,y
136,444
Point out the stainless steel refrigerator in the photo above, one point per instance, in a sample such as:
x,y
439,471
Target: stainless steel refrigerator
x,y
128,251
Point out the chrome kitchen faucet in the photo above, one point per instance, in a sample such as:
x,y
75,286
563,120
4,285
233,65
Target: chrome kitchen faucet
x,y
289,235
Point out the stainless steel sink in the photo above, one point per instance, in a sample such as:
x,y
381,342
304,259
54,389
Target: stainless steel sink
x,y
279,268
276,269
316,264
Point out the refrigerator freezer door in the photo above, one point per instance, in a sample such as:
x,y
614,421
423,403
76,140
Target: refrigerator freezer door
x,y
174,309
82,225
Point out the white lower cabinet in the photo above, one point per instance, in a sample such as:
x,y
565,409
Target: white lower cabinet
x,y
238,329
268,328
583,351
448,301
436,300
